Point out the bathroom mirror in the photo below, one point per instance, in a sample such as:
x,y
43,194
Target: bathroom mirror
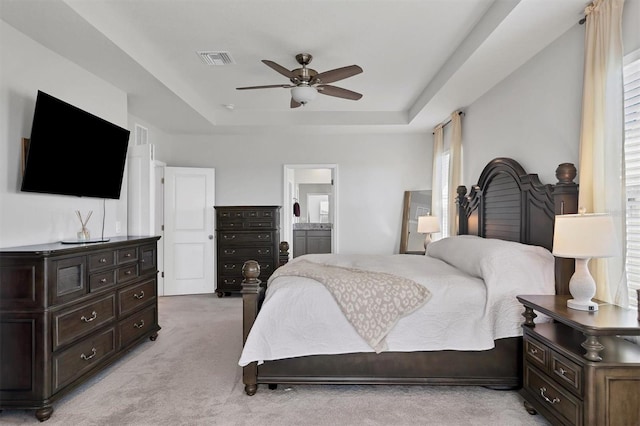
x,y
416,203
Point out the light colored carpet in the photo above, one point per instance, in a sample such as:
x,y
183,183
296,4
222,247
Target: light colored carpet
x,y
190,376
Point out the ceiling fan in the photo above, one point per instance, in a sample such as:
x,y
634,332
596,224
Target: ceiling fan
x,y
306,83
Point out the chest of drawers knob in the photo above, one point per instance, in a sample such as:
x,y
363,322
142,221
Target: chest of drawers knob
x,y
93,316
138,296
139,324
87,358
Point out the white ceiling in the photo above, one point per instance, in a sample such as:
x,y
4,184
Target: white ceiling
x,y
422,59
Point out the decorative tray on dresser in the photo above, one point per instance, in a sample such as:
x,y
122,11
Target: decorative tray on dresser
x,y
577,371
245,233
68,311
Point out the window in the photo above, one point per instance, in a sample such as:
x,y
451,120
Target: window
x,y
631,76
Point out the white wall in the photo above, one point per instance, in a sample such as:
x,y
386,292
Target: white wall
x,y
533,115
373,173
27,67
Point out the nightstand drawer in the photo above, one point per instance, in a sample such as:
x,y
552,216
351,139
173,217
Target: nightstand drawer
x,y
566,372
558,401
536,353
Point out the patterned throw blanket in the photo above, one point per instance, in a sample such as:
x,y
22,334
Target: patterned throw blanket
x,y
373,302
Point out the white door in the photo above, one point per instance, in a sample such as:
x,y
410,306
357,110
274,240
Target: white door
x,y
189,243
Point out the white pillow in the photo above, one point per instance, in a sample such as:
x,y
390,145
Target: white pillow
x,y
473,255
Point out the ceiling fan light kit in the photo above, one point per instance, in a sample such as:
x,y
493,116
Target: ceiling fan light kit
x,y
306,83
303,94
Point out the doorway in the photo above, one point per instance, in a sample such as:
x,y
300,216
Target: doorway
x,y
317,183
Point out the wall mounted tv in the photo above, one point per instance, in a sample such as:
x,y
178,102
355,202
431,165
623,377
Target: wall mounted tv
x,y
73,152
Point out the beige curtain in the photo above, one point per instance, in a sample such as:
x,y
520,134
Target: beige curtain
x,y
455,169
601,138
436,180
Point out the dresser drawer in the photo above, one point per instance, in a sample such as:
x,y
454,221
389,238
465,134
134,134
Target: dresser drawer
x,y
75,322
101,280
128,273
82,357
233,238
561,403
231,267
102,260
135,296
246,253
126,255
136,326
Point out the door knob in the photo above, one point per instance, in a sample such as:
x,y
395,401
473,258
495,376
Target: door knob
x,y
211,237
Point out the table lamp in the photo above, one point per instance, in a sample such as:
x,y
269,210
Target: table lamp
x,y
582,237
427,225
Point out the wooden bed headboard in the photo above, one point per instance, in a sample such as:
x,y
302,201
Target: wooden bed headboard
x,y
509,204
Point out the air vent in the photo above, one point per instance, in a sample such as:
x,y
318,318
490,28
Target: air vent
x,y
216,58
141,133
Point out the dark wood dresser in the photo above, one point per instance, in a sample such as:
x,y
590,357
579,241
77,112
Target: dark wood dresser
x,y
69,310
245,233
576,370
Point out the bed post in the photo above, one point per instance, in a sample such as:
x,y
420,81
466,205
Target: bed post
x,y
565,200
252,293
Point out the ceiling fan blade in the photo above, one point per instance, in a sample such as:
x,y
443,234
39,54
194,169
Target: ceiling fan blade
x,y
282,70
338,92
336,74
270,86
295,104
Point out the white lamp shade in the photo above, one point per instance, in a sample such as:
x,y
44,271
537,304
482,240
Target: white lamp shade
x,y
303,94
583,236
428,224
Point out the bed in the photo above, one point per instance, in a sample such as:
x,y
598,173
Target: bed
x,y
507,208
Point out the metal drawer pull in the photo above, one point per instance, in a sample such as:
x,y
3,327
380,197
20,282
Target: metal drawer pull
x,y
229,237
87,358
229,281
103,260
94,315
561,371
104,280
128,272
262,237
127,255
230,266
229,251
553,401
139,325
533,351
139,296
266,251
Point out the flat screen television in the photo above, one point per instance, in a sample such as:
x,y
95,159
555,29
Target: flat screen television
x,y
73,152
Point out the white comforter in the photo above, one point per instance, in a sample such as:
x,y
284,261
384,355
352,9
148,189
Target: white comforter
x,y
299,316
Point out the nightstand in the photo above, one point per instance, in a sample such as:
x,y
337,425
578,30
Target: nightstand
x,y
576,371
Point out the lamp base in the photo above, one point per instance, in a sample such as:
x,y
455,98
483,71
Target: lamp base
x,y
582,306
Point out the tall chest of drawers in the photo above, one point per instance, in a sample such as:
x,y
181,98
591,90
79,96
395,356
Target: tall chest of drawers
x,y
244,233
68,311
